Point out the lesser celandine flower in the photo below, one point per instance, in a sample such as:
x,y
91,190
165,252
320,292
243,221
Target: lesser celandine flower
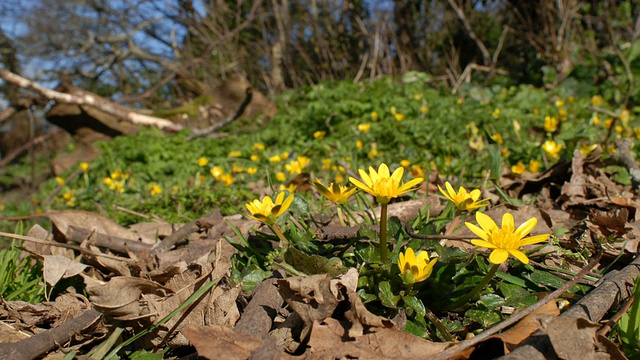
x,y
359,144
252,170
624,117
476,143
296,166
374,116
280,176
364,127
84,166
497,137
416,171
507,240
268,211
462,199
154,189
597,100
257,147
552,149
203,161
424,109
290,188
254,158
383,185
563,114
415,267
405,163
518,168
559,103
319,134
372,153
59,180
496,113
550,124
234,153
534,166
217,172
326,164
399,116
335,193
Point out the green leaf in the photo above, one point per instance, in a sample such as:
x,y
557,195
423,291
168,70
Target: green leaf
x,y
542,279
485,317
313,264
416,304
491,301
386,295
516,296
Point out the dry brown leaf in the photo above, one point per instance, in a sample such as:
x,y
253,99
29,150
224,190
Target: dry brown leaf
x,y
83,219
215,342
571,338
58,267
125,298
525,327
329,341
362,319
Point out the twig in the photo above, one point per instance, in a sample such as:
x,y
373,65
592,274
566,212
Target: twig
x,y
486,58
457,349
196,134
36,346
614,319
66,246
185,231
24,147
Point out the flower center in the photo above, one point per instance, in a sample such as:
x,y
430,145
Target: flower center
x,y
385,187
504,238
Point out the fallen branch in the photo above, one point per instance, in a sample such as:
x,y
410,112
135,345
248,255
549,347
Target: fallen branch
x,y
196,134
37,345
90,100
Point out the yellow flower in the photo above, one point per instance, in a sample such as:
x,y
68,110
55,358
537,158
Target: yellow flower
x,y
339,178
416,171
563,114
203,161
476,143
326,164
335,193
359,144
399,117
70,199
497,137
624,117
462,199
155,189
1,207
290,188
280,176
516,126
216,172
415,267
175,188
275,158
252,170
227,179
107,181
235,153
373,153
254,158
374,116
597,100
84,166
586,149
504,152
424,109
536,111
393,110
550,124
59,180
460,101
504,241
237,168
405,163
552,149
518,168
619,129
382,185
571,99
296,166
417,96
534,166
607,123
319,134
559,103
364,127
496,113
257,146
595,119
267,211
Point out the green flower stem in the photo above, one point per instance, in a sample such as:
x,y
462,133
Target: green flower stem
x,y
346,209
481,285
278,232
446,335
341,217
383,233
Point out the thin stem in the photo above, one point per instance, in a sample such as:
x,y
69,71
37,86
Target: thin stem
x,y
481,285
341,217
446,335
346,209
279,233
383,233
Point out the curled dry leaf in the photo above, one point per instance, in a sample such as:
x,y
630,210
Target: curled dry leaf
x,y
58,267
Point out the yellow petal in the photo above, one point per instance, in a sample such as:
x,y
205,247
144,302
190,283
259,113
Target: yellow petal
x,y
410,256
475,194
519,255
409,185
279,198
508,221
476,230
365,177
422,258
383,171
535,239
452,193
360,185
526,227
485,222
397,175
498,256
483,243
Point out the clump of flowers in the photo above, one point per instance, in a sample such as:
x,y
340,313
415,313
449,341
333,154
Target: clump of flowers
x,y
550,124
518,168
296,166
